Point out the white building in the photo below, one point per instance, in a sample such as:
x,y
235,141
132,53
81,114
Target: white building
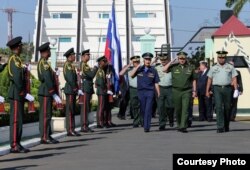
x,y
60,21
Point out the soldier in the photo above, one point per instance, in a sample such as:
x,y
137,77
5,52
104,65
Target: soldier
x,y
101,91
70,90
46,94
165,102
88,75
16,95
134,100
147,82
220,76
183,81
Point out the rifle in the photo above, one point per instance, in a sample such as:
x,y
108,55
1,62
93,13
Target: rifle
x,y
59,106
31,106
109,84
79,82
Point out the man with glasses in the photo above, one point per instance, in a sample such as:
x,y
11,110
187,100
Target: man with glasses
x,y
184,88
134,100
165,102
220,76
147,84
88,75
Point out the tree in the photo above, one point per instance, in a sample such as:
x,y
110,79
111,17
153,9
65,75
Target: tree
x,y
197,56
237,5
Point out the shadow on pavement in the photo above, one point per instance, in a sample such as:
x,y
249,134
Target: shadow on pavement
x,y
19,167
82,140
33,157
59,148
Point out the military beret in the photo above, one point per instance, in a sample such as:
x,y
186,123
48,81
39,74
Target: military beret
x,y
85,51
15,42
222,53
102,58
182,54
69,52
147,55
44,47
135,58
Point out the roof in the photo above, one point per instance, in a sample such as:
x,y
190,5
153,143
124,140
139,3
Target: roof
x,y
233,24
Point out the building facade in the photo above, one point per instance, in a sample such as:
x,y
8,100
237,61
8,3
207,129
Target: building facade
x,y
61,20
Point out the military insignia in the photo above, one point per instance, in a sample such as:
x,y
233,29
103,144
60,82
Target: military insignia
x,y
18,64
46,66
69,67
151,75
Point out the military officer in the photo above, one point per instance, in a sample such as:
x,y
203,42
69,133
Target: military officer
x,y
70,90
101,91
220,76
16,95
184,88
88,75
147,84
165,102
134,100
46,94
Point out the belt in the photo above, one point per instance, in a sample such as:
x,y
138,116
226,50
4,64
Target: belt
x,y
166,87
222,86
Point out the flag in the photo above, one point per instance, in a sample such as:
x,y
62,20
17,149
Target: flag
x,y
113,48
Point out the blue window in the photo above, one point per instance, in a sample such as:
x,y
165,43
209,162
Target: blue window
x,y
65,39
136,38
103,15
62,15
145,15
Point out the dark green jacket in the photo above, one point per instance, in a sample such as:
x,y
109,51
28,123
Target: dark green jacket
x,y
17,78
69,72
100,82
46,77
88,75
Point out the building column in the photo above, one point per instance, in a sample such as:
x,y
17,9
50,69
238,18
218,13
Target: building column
x,y
79,28
39,28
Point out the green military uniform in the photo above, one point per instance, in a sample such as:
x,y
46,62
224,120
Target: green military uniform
x,y
16,95
70,90
88,75
165,101
101,91
45,92
221,76
134,100
182,78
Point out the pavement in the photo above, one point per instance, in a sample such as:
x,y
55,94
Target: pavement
x,y
126,148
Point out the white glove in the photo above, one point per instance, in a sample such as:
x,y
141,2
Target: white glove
x,y
58,72
57,98
29,67
110,92
96,65
2,99
29,97
236,93
108,76
80,92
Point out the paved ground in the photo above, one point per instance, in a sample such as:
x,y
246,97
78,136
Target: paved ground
x,y
125,148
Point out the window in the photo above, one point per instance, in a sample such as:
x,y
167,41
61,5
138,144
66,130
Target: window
x,y
65,39
62,15
103,15
136,38
145,15
102,39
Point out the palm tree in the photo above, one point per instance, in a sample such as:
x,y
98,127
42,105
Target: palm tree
x,y
237,5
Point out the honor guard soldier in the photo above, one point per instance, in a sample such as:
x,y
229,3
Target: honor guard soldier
x,y
16,95
134,100
165,102
101,91
88,75
70,90
183,82
220,76
147,84
46,94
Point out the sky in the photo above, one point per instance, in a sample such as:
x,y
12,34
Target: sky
x,y
187,17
